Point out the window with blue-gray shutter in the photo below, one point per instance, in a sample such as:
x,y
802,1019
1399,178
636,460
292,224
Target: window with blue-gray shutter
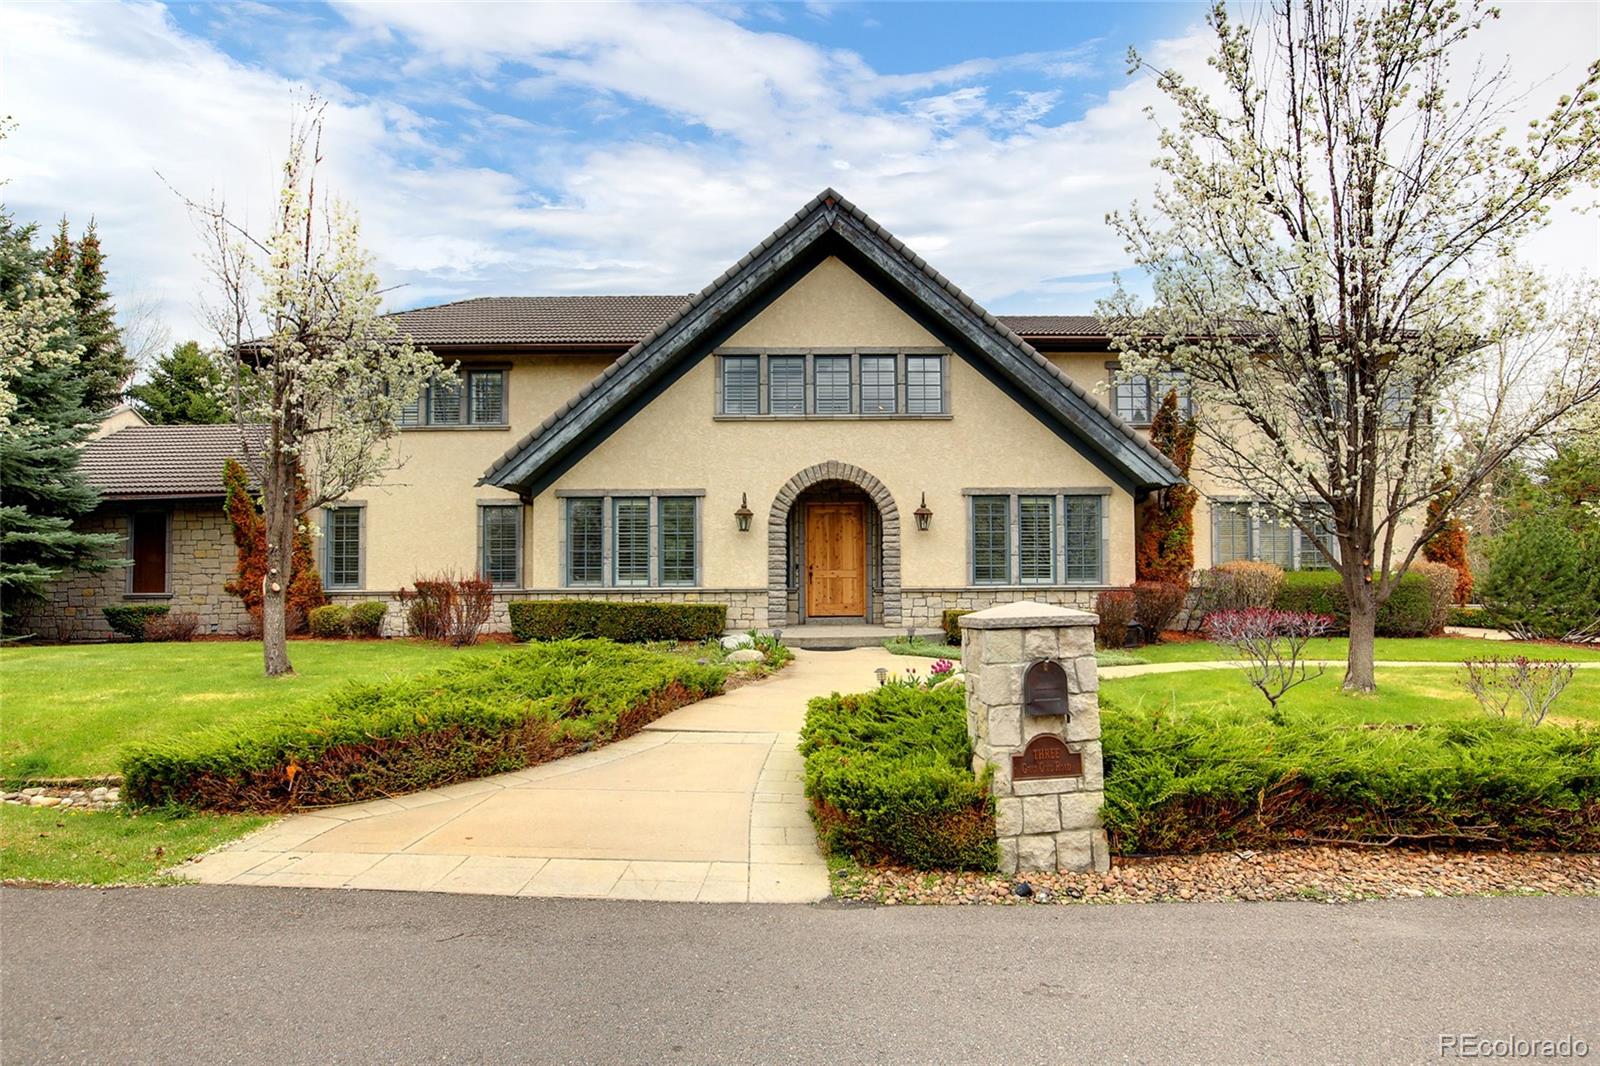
x,y
500,535
342,562
786,385
741,385
833,385
630,540
991,540
585,542
677,521
1082,538
1036,540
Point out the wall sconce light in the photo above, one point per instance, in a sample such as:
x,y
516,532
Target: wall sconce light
x,y
924,516
743,514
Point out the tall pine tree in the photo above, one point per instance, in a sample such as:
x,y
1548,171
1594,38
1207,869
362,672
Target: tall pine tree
x,y
42,422
182,389
103,362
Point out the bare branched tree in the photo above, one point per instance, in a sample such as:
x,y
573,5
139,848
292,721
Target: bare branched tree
x,y
316,376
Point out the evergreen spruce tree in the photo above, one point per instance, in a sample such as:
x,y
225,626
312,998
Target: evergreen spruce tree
x,y
105,364
42,422
182,390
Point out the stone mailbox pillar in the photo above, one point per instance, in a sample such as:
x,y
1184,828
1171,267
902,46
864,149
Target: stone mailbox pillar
x,y
1033,713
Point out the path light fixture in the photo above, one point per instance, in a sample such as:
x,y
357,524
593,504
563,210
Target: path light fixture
x,y
924,516
882,675
743,514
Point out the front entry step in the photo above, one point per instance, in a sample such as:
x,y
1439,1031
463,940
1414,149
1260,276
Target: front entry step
x,y
826,637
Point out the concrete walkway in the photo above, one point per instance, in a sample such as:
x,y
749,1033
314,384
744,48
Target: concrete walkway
x,y
705,804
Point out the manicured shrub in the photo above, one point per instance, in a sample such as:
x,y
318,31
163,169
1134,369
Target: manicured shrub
x,y
1408,612
889,776
1196,781
1442,580
1449,545
366,619
172,626
627,622
1543,580
1115,608
329,621
129,618
1238,586
479,716
952,626
1156,604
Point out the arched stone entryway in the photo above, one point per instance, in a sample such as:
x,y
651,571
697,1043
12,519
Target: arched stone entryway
x,y
781,582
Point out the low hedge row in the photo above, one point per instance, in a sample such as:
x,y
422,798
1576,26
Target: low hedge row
x,y
129,618
889,776
1205,781
1407,613
622,621
477,717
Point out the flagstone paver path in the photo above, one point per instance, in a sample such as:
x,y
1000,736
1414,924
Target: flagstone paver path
x,y
704,804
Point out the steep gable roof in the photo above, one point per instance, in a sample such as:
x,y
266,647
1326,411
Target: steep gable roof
x,y
828,225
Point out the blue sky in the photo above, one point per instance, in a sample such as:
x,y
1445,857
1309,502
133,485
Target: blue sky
x,y
495,149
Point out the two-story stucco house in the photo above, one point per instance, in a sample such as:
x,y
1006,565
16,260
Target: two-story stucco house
x,y
831,430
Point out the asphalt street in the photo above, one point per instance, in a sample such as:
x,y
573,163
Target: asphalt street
x,y
261,975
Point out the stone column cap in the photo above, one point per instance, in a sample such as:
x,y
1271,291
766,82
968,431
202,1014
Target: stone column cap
x,y
1026,614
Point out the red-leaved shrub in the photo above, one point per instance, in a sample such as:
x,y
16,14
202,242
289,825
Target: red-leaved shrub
x,y
1115,608
448,608
1156,604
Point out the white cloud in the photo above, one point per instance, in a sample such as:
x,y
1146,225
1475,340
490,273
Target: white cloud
x,y
1006,199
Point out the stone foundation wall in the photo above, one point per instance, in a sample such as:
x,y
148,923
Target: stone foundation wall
x,y
747,608
925,607
201,557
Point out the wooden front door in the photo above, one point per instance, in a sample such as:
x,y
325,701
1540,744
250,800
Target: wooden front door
x,y
836,560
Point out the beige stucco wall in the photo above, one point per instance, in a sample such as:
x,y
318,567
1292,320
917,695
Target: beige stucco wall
x,y
986,442
422,519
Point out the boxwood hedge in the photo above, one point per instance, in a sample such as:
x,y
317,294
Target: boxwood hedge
x,y
476,717
1408,612
624,621
1204,781
889,776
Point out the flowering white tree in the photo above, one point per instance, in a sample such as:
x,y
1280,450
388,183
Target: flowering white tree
x,y
307,356
1322,253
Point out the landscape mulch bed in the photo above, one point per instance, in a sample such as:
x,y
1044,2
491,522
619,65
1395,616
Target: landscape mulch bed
x,y
1321,874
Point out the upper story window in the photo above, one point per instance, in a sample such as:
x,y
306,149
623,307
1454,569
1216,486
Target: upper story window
x,y
633,539
1037,538
475,398
1242,531
820,385
1137,397
341,547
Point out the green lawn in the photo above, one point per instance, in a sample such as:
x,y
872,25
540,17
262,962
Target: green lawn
x,y
105,847
1386,649
69,711
1409,694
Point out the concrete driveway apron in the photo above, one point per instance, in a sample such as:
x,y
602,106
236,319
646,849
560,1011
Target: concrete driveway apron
x,y
704,804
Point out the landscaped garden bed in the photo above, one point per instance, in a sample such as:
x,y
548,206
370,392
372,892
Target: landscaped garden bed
x,y
471,719
1310,874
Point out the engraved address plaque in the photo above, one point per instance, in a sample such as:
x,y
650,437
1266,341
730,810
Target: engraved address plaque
x,y
1046,756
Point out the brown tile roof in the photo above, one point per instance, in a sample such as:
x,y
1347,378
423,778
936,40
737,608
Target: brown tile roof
x,y
615,320
539,319
163,462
